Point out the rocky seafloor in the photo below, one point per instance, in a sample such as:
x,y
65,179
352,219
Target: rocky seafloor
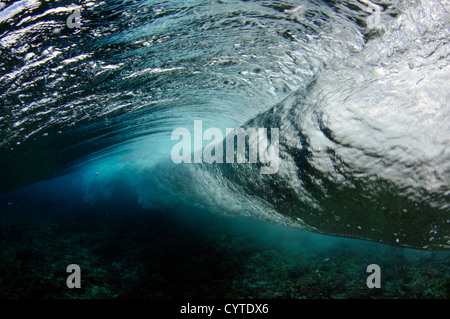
x,y
147,254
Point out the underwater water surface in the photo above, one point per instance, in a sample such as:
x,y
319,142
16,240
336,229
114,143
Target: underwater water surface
x,y
91,93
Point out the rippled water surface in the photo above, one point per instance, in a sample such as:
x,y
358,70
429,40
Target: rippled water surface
x,y
359,91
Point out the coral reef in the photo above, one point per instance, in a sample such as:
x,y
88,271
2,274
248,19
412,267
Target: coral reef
x,y
164,255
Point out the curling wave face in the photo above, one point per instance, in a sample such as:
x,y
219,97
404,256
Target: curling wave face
x,y
362,108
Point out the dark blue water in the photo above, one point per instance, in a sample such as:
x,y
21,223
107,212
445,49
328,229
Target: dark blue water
x,y
358,91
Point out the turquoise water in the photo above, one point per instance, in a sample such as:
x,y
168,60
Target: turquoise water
x,y
358,91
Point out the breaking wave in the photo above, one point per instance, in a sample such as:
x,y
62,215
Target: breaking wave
x,y
359,91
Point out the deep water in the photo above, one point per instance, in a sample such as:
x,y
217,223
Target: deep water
x,y
359,91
